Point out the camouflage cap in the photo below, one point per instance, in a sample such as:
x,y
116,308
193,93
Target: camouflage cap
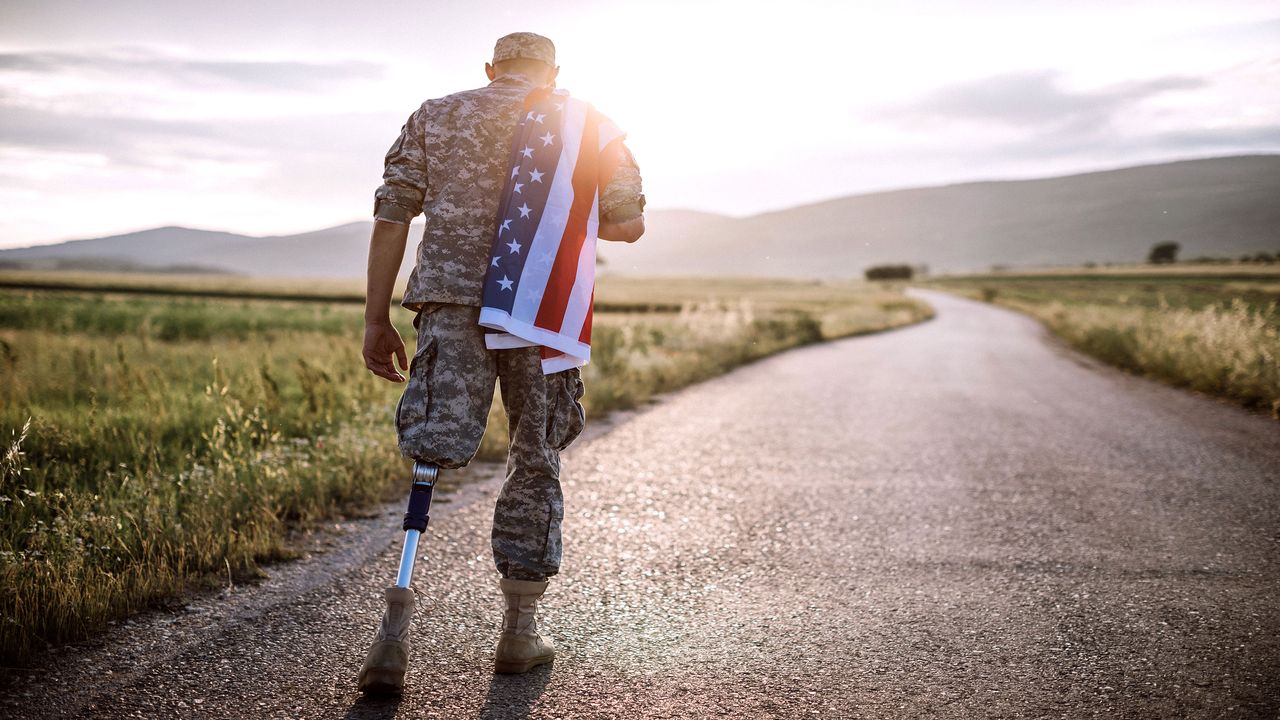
x,y
525,45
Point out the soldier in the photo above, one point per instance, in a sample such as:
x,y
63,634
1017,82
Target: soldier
x,y
450,161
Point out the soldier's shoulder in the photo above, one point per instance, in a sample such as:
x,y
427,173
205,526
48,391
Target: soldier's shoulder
x,y
475,96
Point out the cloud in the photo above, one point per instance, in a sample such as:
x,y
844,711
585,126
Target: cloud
x,y
148,142
134,63
1037,101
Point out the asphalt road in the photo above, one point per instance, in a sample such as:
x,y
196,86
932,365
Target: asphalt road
x,y
959,519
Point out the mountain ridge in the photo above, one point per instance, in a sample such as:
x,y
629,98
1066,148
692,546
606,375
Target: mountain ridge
x,y
1214,206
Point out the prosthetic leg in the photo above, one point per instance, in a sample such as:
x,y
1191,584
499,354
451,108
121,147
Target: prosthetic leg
x,y
415,520
388,657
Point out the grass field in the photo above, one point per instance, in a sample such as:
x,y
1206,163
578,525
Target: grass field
x,y
1215,330
163,432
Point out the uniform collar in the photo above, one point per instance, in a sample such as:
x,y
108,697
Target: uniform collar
x,y
513,80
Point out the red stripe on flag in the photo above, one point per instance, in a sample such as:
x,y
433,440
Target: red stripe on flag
x,y
564,271
585,336
610,159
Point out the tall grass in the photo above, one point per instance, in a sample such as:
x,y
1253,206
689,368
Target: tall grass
x,y
1231,351
151,443
145,465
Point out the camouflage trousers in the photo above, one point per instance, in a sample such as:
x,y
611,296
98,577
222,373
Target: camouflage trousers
x,y
442,415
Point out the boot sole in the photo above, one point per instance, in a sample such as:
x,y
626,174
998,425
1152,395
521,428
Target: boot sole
x,y
382,682
508,667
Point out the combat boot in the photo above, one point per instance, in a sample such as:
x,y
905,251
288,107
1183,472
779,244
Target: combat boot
x,y
520,647
388,657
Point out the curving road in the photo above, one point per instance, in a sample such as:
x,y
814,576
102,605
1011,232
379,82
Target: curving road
x,y
959,519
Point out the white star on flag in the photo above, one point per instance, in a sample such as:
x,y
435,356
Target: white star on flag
x,y
506,225
527,152
518,186
524,210
535,176
547,139
505,283
539,118
495,261
529,116
515,247
515,171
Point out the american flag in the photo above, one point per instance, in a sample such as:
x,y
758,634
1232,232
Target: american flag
x,y
540,283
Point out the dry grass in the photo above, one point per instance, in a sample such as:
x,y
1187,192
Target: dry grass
x,y
1177,270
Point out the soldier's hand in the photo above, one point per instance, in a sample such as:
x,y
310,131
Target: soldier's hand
x,y
381,342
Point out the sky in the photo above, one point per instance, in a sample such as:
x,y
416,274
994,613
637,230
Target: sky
x,y
273,117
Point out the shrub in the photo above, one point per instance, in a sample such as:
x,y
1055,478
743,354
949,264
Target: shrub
x,y
889,272
1165,252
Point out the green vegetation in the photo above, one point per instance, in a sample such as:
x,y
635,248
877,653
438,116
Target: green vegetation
x,y
149,443
1217,333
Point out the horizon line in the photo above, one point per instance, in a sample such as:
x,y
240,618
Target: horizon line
x,y
727,216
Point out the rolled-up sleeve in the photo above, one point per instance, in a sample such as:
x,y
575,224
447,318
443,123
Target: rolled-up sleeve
x,y
623,197
404,175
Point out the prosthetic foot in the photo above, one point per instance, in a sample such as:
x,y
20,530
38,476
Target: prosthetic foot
x,y
520,647
388,657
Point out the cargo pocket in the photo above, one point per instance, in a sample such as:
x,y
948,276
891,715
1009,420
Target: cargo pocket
x,y
413,409
567,417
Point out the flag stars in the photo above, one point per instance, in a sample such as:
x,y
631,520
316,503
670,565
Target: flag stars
x,y
539,118
547,139
506,283
506,225
535,176
527,152
494,262
515,247
524,210
518,186
529,116
515,171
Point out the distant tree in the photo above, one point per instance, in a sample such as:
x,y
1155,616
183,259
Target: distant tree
x,y
1263,257
1090,264
888,272
1165,252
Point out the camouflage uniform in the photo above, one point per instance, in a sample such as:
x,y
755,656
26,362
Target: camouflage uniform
x,y
450,161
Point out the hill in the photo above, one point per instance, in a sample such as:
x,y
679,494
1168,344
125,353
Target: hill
x,y
1220,207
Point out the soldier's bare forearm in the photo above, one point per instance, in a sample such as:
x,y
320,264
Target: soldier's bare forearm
x,y
627,231
386,250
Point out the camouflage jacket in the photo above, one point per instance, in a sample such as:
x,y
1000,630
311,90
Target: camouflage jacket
x,y
450,162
